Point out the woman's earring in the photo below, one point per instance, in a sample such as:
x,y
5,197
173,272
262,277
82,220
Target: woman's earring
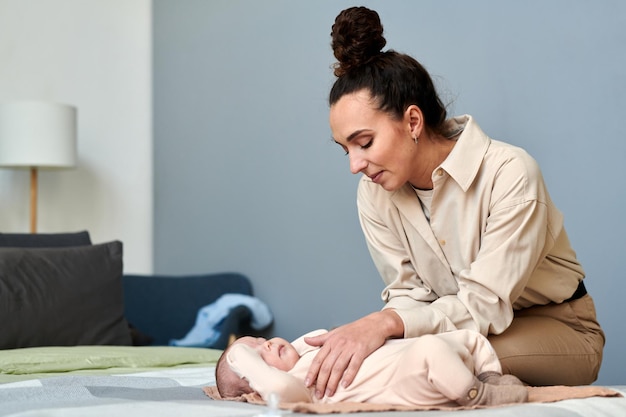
x,y
415,138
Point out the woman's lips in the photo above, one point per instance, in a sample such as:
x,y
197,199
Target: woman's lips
x,y
376,177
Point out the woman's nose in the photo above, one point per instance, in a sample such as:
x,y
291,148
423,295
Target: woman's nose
x,y
357,164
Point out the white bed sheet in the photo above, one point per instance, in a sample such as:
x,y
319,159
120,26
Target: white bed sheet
x,y
178,392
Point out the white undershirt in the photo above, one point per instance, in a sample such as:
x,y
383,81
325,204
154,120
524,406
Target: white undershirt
x,y
425,197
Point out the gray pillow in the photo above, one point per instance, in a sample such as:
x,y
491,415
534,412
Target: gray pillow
x,y
41,240
62,296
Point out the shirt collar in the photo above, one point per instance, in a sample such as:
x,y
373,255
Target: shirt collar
x,y
467,155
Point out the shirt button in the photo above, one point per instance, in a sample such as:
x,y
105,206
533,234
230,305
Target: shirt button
x,y
440,172
472,393
442,242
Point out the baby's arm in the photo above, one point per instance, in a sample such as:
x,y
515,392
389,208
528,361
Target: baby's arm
x,y
265,379
301,346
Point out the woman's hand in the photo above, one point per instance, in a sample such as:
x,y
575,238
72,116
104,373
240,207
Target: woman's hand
x,y
343,350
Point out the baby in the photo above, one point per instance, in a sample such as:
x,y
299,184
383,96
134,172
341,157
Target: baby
x,y
447,369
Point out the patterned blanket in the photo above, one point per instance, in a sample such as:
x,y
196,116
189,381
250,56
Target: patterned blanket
x,y
173,381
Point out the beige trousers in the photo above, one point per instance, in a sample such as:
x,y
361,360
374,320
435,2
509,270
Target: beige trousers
x,y
555,344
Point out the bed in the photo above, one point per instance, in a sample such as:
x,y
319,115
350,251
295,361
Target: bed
x,y
165,381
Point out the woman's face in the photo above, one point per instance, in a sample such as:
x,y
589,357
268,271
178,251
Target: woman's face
x,y
276,352
377,145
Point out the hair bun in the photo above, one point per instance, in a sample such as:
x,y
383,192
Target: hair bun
x,y
357,37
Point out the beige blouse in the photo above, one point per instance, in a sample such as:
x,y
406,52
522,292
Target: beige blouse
x,y
495,241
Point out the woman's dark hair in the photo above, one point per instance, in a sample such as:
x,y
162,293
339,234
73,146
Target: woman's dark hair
x,y
394,80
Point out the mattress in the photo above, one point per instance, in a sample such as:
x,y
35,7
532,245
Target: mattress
x,y
166,381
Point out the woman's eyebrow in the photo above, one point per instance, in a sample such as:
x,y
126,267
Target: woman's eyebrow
x,y
355,134
350,137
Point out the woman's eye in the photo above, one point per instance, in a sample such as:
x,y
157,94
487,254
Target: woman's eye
x,y
368,144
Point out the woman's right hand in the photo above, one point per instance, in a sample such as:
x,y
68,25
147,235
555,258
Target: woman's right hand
x,y
344,349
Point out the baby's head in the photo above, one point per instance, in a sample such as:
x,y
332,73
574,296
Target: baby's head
x,y
228,382
276,352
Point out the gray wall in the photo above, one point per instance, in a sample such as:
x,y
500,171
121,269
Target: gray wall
x,y
247,178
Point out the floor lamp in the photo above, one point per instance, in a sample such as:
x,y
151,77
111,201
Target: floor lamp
x,y
36,135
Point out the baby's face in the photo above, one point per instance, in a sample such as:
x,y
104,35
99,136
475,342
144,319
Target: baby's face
x,y
276,352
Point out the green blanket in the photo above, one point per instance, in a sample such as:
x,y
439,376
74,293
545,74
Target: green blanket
x,y
37,362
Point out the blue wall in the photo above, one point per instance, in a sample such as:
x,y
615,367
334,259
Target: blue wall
x,y
247,178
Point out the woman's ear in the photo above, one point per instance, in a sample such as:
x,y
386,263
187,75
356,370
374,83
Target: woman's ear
x,y
415,120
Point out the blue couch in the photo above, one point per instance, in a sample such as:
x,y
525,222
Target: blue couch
x,y
81,286
165,307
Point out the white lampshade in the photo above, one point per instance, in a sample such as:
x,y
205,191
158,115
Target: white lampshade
x,y
37,134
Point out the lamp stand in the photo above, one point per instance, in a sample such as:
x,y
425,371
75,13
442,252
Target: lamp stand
x,y
33,199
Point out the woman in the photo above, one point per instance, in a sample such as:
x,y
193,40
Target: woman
x,y
460,226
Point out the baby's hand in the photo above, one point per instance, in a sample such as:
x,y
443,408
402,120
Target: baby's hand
x,y
244,360
247,363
